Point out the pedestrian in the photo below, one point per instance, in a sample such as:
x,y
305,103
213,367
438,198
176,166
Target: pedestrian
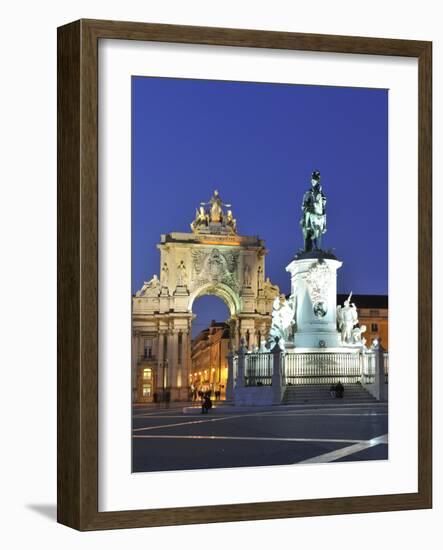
x,y
332,391
167,399
208,402
203,401
339,390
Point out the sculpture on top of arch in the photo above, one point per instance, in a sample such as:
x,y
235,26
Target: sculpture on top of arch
x,y
215,219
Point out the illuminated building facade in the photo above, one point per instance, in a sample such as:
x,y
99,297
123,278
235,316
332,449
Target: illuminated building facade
x,y
209,366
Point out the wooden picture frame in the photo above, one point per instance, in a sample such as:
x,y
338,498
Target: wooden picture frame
x,y
78,274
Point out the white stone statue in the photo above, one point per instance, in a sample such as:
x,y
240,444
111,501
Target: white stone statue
x,y
357,337
182,276
260,278
165,275
270,290
283,312
149,288
247,275
347,318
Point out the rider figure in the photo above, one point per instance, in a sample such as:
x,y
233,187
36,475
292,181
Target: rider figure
x,y
313,221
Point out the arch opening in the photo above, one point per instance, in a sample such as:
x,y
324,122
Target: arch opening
x,y
225,293
206,310
212,328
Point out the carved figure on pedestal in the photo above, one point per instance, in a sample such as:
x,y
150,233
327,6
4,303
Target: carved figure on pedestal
x,y
347,318
247,275
165,275
283,312
313,221
260,278
270,290
182,277
149,288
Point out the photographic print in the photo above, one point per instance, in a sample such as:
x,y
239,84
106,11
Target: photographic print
x,y
259,274
224,214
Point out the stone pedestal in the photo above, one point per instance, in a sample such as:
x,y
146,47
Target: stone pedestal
x,y
314,284
181,296
249,299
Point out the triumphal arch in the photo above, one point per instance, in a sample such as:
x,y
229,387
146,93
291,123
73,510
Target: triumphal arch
x,y
211,259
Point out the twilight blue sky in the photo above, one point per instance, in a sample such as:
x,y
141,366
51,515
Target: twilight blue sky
x,y
258,144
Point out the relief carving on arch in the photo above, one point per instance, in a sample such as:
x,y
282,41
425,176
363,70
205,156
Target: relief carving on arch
x,y
215,266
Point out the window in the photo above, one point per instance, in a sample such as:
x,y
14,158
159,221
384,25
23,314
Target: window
x,y
148,348
374,313
374,327
146,390
147,374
